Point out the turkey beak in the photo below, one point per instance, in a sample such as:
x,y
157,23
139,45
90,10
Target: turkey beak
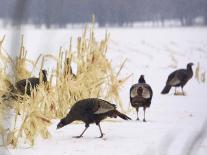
x,y
59,126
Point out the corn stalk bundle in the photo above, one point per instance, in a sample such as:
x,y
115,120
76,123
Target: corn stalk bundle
x,y
95,77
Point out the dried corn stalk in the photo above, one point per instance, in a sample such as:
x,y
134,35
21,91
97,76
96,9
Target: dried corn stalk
x,y
95,77
197,72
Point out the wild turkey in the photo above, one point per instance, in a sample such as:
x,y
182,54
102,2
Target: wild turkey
x,y
91,110
25,86
178,78
141,95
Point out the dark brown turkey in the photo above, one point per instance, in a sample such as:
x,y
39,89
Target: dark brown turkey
x,y
178,78
91,110
25,86
141,95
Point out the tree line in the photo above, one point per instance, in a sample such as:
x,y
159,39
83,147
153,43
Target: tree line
x,y
111,12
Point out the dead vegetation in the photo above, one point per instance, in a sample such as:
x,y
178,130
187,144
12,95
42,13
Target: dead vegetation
x,y
95,77
200,75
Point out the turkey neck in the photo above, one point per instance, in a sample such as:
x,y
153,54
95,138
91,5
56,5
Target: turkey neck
x,y
44,78
69,119
141,80
190,71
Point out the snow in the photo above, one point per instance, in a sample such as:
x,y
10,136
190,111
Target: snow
x,y
172,121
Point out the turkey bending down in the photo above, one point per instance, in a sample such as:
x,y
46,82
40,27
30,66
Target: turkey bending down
x,y
91,110
178,78
141,95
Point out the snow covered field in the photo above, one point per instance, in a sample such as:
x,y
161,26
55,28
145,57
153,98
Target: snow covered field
x,y
174,123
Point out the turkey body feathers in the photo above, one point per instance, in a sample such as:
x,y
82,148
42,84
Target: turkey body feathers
x,y
92,110
143,98
26,85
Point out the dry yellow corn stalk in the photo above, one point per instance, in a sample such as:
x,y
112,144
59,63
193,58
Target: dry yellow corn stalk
x,y
95,77
197,72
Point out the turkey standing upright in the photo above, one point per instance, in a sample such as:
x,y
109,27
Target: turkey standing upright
x,y
91,110
141,95
25,86
178,78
